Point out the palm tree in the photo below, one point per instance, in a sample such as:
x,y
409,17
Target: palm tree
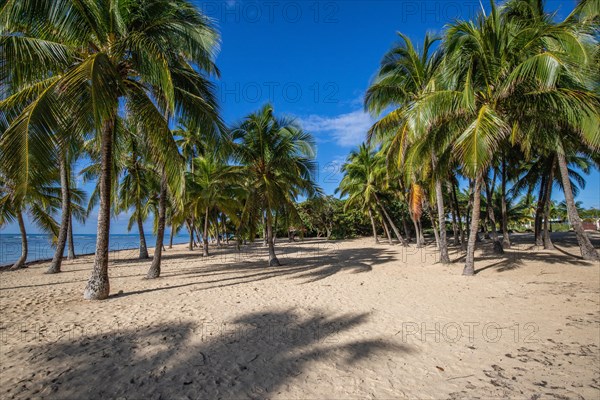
x,y
213,187
569,84
196,141
277,158
405,74
84,59
65,213
500,72
543,172
363,182
138,182
40,202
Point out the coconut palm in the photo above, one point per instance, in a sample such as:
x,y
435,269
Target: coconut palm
x,y
543,173
40,202
138,182
65,215
277,158
85,58
405,74
568,61
363,183
213,187
499,73
358,183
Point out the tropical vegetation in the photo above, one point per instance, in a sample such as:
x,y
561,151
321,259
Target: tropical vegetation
x,y
478,132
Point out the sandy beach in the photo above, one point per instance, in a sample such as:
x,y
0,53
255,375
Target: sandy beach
x,y
338,320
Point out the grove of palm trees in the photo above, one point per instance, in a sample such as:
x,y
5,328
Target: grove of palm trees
x,y
453,258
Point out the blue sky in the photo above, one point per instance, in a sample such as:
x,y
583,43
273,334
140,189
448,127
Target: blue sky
x,y
314,60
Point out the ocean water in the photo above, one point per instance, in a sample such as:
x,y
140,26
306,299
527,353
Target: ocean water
x,y
40,245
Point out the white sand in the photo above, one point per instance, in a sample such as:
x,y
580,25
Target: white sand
x,y
340,320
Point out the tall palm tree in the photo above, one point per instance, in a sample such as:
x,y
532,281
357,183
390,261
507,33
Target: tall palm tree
x,y
86,58
138,182
65,215
278,161
502,78
568,60
405,74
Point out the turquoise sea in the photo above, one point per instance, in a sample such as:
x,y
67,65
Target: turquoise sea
x,y
40,245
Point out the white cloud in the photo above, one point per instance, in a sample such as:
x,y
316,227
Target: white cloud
x,y
346,130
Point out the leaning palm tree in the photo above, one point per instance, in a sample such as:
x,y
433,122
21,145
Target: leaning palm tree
x,y
363,183
543,173
40,202
405,74
277,158
67,156
85,59
566,72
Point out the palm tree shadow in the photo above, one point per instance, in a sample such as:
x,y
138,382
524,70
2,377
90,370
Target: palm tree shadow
x,y
517,258
567,253
506,264
308,264
255,356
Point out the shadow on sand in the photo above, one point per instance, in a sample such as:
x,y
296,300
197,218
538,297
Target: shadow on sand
x,y
227,266
306,264
256,356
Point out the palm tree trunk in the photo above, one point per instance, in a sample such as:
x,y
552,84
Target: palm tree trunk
x,y
154,271
143,246
71,242
172,234
588,252
455,232
373,226
273,261
98,287
406,230
470,205
198,235
505,235
470,259
444,257
489,190
387,230
205,235
390,221
275,226
539,211
548,245
224,222
218,230
65,214
456,237
20,263
191,231
192,228
421,235
418,235
433,225
458,216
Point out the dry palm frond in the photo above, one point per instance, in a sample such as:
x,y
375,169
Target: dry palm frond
x,y
416,200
